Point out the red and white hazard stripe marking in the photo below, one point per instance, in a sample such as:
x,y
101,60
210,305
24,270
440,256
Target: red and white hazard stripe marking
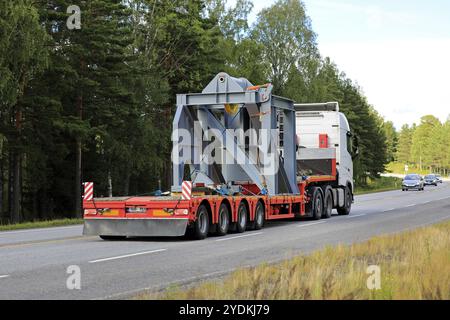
x,y
186,190
88,191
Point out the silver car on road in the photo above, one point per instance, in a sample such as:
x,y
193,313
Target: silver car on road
x,y
413,182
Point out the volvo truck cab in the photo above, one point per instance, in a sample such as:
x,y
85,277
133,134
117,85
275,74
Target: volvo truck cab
x,y
324,120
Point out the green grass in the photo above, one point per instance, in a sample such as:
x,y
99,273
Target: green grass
x,y
40,224
413,265
379,185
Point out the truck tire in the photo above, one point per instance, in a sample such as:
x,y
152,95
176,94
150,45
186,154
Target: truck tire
x,y
201,224
317,204
241,223
345,210
223,223
327,204
112,238
260,216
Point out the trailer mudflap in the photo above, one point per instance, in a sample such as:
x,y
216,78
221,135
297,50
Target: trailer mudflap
x,y
133,227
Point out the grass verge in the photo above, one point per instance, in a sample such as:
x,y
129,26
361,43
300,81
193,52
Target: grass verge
x,y
399,168
413,264
379,185
40,224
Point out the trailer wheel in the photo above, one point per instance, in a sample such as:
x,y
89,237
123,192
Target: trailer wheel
x,y
258,223
112,238
241,222
345,210
201,225
328,204
224,220
317,204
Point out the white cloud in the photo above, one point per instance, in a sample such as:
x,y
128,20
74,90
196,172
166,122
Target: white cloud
x,y
404,79
375,16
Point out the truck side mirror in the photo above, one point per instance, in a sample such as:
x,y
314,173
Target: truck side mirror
x,y
355,145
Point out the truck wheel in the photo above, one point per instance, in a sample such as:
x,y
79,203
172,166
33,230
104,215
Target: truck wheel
x,y
201,225
224,220
345,210
112,238
328,204
241,222
317,204
258,223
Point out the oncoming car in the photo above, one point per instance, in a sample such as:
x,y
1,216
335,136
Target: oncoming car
x,y
413,182
439,178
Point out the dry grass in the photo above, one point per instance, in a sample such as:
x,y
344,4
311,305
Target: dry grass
x,y
414,265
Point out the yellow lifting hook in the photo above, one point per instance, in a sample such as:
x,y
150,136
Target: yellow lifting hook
x,y
231,108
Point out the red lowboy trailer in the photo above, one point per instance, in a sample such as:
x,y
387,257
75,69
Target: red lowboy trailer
x,y
171,216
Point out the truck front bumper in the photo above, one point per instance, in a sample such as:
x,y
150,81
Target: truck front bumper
x,y
150,227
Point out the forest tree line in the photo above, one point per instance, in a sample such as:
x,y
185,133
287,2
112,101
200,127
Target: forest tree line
x,y
96,103
425,146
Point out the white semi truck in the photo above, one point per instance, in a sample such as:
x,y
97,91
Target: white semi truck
x,y
324,120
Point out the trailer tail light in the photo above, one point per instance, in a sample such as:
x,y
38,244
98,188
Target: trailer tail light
x,y
89,211
136,210
182,211
177,211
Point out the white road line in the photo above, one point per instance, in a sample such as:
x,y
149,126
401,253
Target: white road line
x,y
127,256
391,209
237,237
4,276
310,224
411,205
356,215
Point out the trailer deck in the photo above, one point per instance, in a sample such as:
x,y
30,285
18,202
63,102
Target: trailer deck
x,y
171,215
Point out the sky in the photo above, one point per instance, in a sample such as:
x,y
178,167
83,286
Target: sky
x,y
398,51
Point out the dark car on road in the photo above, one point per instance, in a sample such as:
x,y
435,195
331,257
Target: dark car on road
x,y
431,180
413,182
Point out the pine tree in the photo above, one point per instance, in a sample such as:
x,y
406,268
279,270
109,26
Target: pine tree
x,y
405,144
391,140
22,57
88,74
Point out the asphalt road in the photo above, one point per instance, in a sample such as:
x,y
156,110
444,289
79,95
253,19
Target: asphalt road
x,y
33,263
